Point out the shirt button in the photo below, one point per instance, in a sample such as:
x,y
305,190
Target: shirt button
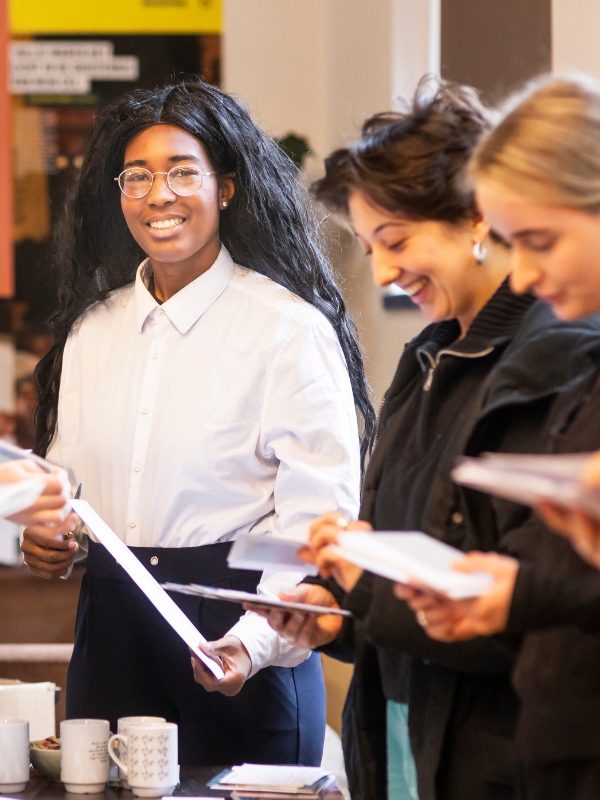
x,y
457,518
137,467
145,409
160,313
155,354
132,523
154,560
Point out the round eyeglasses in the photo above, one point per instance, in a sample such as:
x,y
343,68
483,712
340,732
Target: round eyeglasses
x,y
183,180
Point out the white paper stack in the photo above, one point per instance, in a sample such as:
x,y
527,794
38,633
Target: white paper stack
x,y
529,479
265,780
413,558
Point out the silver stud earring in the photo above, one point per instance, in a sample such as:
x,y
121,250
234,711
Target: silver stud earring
x,y
480,252
224,204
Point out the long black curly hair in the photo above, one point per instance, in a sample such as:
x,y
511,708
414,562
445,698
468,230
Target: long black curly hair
x,y
269,226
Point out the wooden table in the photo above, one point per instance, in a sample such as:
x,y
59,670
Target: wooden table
x,y
193,784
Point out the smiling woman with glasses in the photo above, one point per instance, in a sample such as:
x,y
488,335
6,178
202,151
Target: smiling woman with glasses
x,y
208,392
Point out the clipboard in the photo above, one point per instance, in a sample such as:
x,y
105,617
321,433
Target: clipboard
x,y
260,601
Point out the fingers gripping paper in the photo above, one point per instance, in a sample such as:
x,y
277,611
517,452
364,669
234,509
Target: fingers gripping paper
x,y
149,586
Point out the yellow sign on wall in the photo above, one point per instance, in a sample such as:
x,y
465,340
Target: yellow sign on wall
x,y
115,16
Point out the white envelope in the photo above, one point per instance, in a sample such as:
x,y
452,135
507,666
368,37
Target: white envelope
x,y
268,552
414,558
151,588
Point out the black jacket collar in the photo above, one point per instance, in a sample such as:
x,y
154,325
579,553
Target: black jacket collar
x,y
497,322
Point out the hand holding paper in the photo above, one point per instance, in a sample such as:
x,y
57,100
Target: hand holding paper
x,y
457,620
325,532
413,558
564,489
138,573
304,629
44,493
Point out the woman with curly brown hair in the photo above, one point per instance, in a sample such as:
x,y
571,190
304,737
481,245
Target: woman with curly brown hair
x,y
481,376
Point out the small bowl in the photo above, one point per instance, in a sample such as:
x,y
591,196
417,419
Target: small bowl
x,y
47,762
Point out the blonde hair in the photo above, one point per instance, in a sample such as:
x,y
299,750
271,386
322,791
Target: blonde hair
x,y
547,145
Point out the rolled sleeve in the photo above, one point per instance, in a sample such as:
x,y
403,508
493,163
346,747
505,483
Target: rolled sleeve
x,y
265,647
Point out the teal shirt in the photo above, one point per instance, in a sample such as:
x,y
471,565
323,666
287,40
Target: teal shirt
x,y
402,775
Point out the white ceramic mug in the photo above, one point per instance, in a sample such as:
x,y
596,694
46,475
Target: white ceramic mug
x,y
151,767
84,755
123,727
14,755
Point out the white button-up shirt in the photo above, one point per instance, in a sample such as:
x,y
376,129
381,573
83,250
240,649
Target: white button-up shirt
x,y
226,410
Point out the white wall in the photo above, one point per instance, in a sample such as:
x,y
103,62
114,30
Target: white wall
x,y
576,36
319,68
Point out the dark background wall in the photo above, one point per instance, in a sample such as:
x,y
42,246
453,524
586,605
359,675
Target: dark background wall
x,y
495,45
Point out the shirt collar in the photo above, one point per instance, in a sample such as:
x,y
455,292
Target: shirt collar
x,y
187,306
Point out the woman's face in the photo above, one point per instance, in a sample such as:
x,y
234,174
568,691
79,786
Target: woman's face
x,y
555,249
431,261
170,228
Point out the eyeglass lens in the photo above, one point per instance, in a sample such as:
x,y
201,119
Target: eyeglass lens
x,y
183,180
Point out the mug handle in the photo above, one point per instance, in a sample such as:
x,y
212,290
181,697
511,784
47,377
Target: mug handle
x,y
117,737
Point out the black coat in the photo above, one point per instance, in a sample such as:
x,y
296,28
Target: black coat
x,y
556,603
514,361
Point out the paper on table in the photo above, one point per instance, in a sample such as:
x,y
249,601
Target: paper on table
x,y
266,776
529,479
263,552
413,558
151,588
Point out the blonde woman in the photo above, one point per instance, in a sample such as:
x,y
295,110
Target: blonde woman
x,y
538,184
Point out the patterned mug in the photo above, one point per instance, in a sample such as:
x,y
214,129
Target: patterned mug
x,y
123,727
151,767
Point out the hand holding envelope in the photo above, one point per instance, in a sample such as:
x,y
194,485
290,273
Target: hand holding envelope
x,y
564,489
153,591
32,491
451,620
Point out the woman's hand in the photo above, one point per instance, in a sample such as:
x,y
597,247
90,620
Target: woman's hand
x,y
324,532
304,630
51,506
235,661
456,620
581,529
49,551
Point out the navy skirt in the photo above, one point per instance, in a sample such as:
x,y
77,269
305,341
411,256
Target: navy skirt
x,y
128,661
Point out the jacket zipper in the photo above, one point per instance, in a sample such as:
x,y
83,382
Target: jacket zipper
x,y
434,362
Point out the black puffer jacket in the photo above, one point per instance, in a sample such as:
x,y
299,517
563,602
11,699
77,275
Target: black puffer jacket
x,y
494,389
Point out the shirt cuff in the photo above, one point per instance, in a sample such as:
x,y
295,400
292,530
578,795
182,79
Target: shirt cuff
x,y
265,647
